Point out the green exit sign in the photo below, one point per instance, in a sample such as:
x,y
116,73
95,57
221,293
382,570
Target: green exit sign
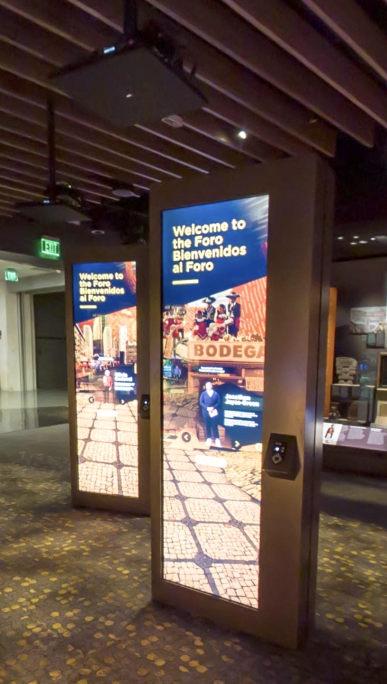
x,y
11,275
49,248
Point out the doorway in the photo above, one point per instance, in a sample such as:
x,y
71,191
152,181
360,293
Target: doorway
x,y
50,341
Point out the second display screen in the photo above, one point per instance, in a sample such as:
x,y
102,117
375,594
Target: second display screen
x,y
214,329
105,339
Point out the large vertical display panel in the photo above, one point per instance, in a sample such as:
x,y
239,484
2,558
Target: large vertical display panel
x,y
214,283
105,344
238,309
107,330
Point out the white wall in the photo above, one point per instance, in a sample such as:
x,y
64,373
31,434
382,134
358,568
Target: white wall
x,y
11,376
28,341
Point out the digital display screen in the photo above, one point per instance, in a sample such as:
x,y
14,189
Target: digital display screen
x,y
214,272
105,339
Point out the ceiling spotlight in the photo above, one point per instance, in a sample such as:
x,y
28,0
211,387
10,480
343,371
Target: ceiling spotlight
x,y
363,242
340,238
242,135
354,243
129,95
372,239
98,231
355,237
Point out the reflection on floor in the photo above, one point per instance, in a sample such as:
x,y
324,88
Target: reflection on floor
x,y
28,410
212,524
75,593
107,447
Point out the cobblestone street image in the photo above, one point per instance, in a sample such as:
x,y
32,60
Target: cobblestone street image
x,y
212,522
107,447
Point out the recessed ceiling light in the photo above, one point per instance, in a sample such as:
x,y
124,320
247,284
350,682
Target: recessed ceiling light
x,y
340,237
363,242
372,239
242,135
129,95
354,243
355,237
98,231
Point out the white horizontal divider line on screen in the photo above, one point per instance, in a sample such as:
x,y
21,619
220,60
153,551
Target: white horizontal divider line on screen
x,y
185,282
88,306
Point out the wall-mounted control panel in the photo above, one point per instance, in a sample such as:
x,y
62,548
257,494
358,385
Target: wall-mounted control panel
x,y
282,458
145,406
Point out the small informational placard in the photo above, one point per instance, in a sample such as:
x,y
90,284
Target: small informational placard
x,y
214,327
355,436
105,339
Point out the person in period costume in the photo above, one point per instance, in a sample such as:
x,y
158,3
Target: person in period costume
x,y
234,313
210,310
168,321
200,326
209,403
219,327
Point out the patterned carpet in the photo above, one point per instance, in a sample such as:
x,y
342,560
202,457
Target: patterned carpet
x,y
75,602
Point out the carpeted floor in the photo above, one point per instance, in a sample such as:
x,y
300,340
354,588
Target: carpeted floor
x,y
75,602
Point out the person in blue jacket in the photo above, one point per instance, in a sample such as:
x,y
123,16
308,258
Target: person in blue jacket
x,y
210,403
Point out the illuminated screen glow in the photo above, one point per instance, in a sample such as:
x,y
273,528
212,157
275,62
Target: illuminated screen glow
x,y
214,327
105,339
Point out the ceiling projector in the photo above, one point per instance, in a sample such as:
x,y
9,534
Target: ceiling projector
x,y
63,205
136,81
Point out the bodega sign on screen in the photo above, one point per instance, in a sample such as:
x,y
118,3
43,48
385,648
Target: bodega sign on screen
x,y
238,352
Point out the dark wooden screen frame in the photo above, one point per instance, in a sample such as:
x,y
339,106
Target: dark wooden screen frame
x,y
139,254
300,217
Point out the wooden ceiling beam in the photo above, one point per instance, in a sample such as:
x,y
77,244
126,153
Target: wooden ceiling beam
x,y
9,195
36,41
216,24
40,182
283,25
29,68
254,149
15,146
39,170
39,76
209,148
27,183
349,21
108,13
5,202
34,125
64,21
224,74
31,94
215,129
158,154
16,190
248,90
13,84
221,106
